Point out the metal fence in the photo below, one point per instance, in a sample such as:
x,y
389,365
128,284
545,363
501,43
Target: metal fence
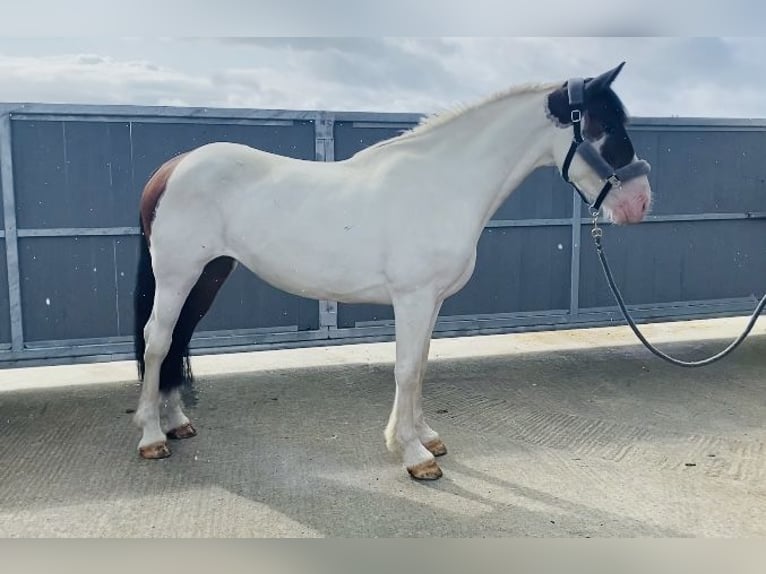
x,y
71,177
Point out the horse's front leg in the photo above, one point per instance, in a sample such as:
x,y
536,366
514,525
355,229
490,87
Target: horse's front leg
x,y
415,317
428,436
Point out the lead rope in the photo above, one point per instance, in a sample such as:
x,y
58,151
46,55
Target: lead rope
x,y
597,233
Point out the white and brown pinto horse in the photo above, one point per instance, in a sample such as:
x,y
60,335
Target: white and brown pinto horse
x,y
398,224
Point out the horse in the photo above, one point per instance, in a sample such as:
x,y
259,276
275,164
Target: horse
x,y
396,224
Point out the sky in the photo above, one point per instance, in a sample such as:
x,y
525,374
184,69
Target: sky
x,y
709,76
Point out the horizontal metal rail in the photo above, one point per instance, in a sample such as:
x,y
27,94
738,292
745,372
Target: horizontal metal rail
x,y
495,223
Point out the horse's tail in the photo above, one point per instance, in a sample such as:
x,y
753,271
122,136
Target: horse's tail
x,y
176,368
143,300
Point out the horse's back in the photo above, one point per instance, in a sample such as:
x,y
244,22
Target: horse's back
x,y
222,162
208,178
162,181
340,230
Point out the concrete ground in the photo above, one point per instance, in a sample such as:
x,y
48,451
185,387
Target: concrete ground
x,y
571,433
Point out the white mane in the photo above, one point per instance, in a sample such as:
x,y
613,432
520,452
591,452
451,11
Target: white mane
x,y
440,118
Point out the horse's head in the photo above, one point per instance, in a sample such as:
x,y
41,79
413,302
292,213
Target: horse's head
x,y
593,150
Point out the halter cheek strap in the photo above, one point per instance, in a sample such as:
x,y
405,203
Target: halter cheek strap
x,y
612,177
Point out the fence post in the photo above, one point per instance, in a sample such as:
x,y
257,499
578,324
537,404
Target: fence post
x,y
574,285
324,134
11,234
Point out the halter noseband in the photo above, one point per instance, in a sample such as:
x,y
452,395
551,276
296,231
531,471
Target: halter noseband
x,y
613,177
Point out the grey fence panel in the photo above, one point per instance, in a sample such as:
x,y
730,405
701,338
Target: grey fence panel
x,y
7,125
69,287
77,177
707,171
246,302
703,169
705,241
5,316
350,316
72,174
518,269
352,137
126,262
682,261
543,195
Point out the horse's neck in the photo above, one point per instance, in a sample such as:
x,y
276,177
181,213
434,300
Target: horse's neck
x,y
505,145
477,158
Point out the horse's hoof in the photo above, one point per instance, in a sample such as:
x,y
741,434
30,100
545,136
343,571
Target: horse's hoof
x,y
436,447
428,470
154,451
184,431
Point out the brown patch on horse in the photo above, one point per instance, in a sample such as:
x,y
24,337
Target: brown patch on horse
x,y
154,189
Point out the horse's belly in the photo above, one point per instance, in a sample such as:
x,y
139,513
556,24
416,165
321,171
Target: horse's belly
x,y
316,278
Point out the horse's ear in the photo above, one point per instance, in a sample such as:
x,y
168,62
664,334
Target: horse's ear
x,y
602,82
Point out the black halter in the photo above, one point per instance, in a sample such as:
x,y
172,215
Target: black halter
x,y
613,177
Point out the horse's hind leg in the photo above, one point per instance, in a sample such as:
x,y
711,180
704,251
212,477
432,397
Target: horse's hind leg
x,y
170,294
196,306
177,423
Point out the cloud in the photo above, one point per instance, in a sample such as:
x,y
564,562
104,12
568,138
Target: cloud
x,y
720,77
91,78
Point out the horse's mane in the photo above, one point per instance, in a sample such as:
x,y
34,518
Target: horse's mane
x,y
429,122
